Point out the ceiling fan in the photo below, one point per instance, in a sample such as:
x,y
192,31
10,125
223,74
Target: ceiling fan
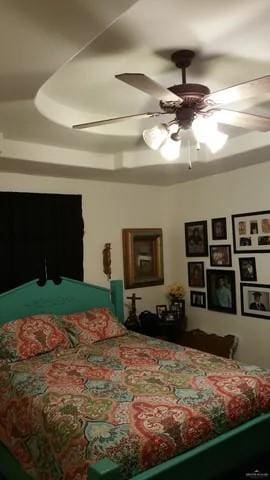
x,y
193,106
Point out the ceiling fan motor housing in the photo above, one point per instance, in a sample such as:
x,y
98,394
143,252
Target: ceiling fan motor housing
x,y
190,92
185,116
192,95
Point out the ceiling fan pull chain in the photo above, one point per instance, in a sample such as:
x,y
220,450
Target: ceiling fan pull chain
x,y
189,155
198,151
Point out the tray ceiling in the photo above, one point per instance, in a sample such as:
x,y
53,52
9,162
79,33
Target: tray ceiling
x,y
58,65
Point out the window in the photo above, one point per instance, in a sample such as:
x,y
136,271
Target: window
x,y
38,229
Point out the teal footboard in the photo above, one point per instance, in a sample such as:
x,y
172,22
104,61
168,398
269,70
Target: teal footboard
x,y
10,467
208,461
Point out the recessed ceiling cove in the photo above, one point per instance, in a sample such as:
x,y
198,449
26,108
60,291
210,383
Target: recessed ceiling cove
x,y
60,60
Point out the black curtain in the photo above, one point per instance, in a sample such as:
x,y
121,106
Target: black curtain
x,y
38,228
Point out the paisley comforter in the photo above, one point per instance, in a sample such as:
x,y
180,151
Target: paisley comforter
x,y
134,399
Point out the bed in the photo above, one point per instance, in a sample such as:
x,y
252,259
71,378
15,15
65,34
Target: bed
x,y
123,407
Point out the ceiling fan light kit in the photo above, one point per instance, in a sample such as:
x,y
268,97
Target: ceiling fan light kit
x,y
154,137
206,131
170,149
165,138
194,107
217,141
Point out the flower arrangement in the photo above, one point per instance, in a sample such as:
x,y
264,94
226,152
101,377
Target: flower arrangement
x,y
176,291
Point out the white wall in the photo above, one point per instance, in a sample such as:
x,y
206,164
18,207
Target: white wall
x,y
107,208
245,190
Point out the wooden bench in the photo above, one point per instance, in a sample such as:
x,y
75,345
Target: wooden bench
x,y
209,342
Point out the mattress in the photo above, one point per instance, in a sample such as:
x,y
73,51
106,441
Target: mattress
x,y
134,399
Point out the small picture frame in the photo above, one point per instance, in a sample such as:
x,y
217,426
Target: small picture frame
x,y
178,307
255,300
196,274
161,310
196,239
248,271
220,256
197,299
219,228
221,295
170,317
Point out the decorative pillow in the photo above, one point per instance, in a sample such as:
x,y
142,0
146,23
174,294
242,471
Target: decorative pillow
x,y
26,337
91,326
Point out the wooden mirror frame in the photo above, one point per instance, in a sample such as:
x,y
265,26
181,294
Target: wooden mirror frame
x,y
130,236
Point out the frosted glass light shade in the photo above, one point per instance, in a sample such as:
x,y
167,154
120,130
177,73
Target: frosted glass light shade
x,y
203,128
217,141
173,128
206,131
154,137
170,150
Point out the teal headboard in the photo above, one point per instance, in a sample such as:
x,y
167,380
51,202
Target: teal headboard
x,y
68,297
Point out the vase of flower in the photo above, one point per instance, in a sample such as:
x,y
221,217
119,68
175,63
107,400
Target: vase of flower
x,y
176,291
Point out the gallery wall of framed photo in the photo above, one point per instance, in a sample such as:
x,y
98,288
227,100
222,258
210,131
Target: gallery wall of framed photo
x,y
216,260
221,195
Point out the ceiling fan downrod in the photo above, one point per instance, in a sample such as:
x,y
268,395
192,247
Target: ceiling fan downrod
x,y
182,59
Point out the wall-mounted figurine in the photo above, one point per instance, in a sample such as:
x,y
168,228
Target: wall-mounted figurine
x,y
107,260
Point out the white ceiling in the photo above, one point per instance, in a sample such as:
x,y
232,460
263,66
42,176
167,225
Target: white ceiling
x,y
58,61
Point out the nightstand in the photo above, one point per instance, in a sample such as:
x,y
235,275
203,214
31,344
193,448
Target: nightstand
x,y
165,330
133,328
153,326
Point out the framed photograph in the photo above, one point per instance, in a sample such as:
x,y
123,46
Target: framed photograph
x,y
179,308
196,239
220,256
170,316
221,290
161,310
196,274
251,232
248,272
219,228
143,257
197,299
255,300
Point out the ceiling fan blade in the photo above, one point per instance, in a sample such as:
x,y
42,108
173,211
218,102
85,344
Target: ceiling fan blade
x,y
243,120
81,126
253,88
147,85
